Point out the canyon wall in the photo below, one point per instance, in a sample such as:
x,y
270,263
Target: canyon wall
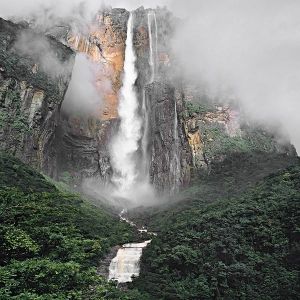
x,y
31,94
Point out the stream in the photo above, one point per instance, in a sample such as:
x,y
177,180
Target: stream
x,y
126,263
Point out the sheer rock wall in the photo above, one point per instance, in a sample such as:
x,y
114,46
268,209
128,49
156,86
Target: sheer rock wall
x,y
30,97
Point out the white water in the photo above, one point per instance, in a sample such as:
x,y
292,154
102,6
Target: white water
x,y
152,44
145,156
125,144
175,163
126,263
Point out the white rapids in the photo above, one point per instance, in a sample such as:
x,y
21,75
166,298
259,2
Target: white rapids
x,y
125,264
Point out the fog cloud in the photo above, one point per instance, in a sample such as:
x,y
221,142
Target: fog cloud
x,y
84,94
39,48
251,47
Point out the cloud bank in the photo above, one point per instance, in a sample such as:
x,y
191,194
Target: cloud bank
x,y
84,92
38,47
251,47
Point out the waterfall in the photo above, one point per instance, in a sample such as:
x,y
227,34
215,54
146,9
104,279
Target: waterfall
x,y
126,263
125,145
145,156
153,54
153,41
175,162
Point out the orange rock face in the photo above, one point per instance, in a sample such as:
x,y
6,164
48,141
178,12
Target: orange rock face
x,y
105,45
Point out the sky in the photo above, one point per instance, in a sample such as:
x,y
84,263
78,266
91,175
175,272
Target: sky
x,y
252,47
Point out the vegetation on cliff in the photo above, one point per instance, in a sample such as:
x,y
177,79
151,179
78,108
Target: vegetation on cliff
x,y
51,241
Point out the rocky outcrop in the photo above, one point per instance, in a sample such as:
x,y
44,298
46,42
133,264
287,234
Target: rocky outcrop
x,y
84,149
164,141
216,131
105,45
31,93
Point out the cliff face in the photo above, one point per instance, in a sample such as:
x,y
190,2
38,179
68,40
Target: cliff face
x,y
170,154
166,146
85,139
216,131
105,45
30,98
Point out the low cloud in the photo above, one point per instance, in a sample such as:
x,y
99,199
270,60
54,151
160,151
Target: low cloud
x,y
251,48
84,95
40,49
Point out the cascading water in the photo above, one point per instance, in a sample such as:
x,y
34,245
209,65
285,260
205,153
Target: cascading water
x,y
125,145
152,44
145,158
126,263
175,162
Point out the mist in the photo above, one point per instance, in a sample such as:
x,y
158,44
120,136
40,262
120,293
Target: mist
x,y
84,94
38,47
142,194
249,47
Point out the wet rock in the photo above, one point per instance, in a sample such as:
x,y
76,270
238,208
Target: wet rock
x,y
164,130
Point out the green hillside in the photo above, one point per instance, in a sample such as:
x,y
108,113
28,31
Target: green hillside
x,y
231,239
50,241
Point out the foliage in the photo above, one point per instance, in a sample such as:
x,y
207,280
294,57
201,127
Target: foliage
x,y
14,174
66,177
218,143
203,105
12,120
51,241
241,247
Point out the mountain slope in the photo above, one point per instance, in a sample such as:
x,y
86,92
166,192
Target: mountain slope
x,y
50,241
242,245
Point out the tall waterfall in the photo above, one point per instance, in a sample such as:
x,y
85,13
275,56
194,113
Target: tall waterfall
x,y
125,145
153,41
152,44
175,162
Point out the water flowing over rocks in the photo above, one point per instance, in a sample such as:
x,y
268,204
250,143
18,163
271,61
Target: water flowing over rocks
x,y
125,264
